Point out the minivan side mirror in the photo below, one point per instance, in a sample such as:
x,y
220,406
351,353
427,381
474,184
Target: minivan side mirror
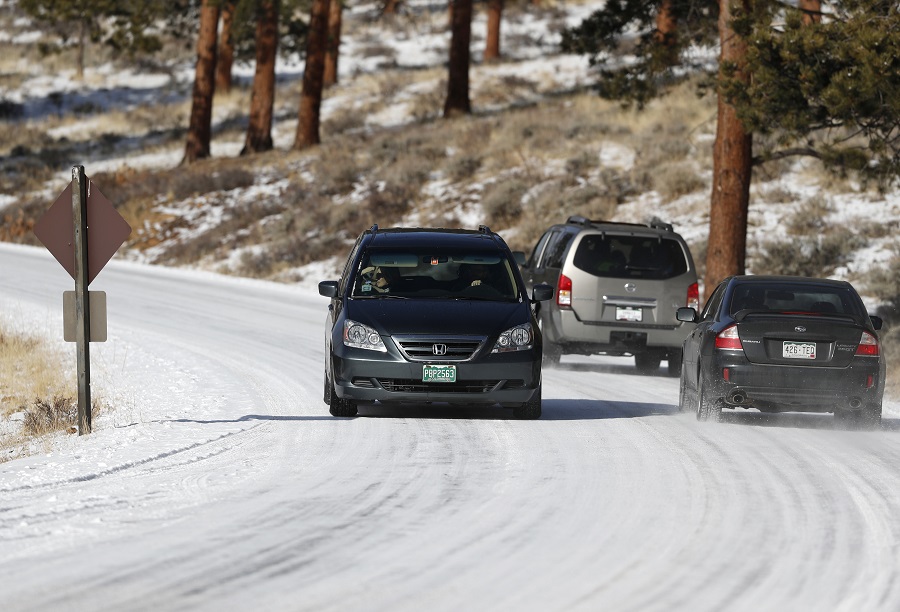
x,y
541,293
328,288
686,314
519,256
877,322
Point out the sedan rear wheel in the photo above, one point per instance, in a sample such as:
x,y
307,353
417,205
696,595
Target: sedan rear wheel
x,y
871,416
708,408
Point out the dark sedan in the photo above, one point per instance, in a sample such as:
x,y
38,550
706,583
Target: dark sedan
x,y
783,343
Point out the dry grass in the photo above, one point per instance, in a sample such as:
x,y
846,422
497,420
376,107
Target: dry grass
x,y
36,396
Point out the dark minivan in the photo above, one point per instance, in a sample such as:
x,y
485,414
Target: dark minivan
x,y
426,315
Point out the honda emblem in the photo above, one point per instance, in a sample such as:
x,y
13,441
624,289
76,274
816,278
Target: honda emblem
x,y
439,349
800,329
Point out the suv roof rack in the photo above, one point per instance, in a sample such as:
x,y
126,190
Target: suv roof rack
x,y
484,229
653,223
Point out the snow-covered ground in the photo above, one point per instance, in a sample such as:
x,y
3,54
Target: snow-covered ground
x,y
221,481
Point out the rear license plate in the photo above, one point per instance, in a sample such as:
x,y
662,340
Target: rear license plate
x,y
799,350
439,373
629,313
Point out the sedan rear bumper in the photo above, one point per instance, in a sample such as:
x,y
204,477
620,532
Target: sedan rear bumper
x,y
801,388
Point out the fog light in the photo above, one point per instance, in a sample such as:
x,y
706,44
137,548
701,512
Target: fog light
x,y
726,373
870,381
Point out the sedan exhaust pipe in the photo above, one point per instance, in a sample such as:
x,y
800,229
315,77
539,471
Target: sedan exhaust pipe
x,y
738,398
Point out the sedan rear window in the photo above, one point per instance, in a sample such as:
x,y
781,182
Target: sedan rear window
x,y
630,257
787,298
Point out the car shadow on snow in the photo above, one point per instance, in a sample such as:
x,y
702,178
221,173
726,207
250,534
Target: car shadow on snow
x,y
552,410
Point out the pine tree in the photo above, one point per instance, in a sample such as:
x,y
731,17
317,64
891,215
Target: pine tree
x,y
262,100
457,100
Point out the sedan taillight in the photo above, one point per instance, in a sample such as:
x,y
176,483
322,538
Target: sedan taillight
x,y
728,339
693,297
868,345
564,292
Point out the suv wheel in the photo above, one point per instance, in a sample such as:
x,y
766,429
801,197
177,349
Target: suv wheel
x,y
336,406
648,361
531,409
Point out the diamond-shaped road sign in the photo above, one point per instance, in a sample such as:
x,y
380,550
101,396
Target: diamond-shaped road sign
x,y
106,230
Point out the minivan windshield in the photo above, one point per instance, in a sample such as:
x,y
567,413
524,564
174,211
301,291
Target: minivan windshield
x,y
435,273
641,257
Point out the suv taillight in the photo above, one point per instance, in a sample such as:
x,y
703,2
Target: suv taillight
x,y
693,297
728,339
868,345
564,292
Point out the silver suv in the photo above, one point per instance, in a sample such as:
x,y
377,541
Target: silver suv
x,y
618,286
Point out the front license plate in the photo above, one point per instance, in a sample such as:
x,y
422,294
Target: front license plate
x,y
439,373
629,313
799,350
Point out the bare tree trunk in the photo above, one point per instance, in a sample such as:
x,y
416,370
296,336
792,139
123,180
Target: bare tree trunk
x,y
458,67
79,52
311,96
492,44
812,11
262,101
666,27
225,55
335,11
732,163
200,128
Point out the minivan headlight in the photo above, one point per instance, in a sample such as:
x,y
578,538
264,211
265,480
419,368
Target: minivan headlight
x,y
357,335
518,338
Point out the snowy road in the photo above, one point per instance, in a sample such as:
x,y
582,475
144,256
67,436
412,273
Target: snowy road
x,y
220,482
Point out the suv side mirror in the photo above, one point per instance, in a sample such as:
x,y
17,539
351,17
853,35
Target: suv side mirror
x,y
877,322
328,288
686,314
519,256
541,293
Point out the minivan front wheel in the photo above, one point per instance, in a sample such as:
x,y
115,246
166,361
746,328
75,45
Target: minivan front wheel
x,y
336,406
531,409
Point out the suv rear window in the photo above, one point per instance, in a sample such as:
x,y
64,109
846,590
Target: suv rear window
x,y
649,258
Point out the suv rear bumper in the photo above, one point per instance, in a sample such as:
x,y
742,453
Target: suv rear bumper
x,y
599,336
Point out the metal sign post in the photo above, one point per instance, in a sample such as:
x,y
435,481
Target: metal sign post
x,y
82,299
81,210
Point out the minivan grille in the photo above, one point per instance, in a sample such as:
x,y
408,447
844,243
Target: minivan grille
x,y
436,349
417,386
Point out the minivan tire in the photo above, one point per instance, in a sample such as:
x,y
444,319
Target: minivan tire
x,y
336,406
531,409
